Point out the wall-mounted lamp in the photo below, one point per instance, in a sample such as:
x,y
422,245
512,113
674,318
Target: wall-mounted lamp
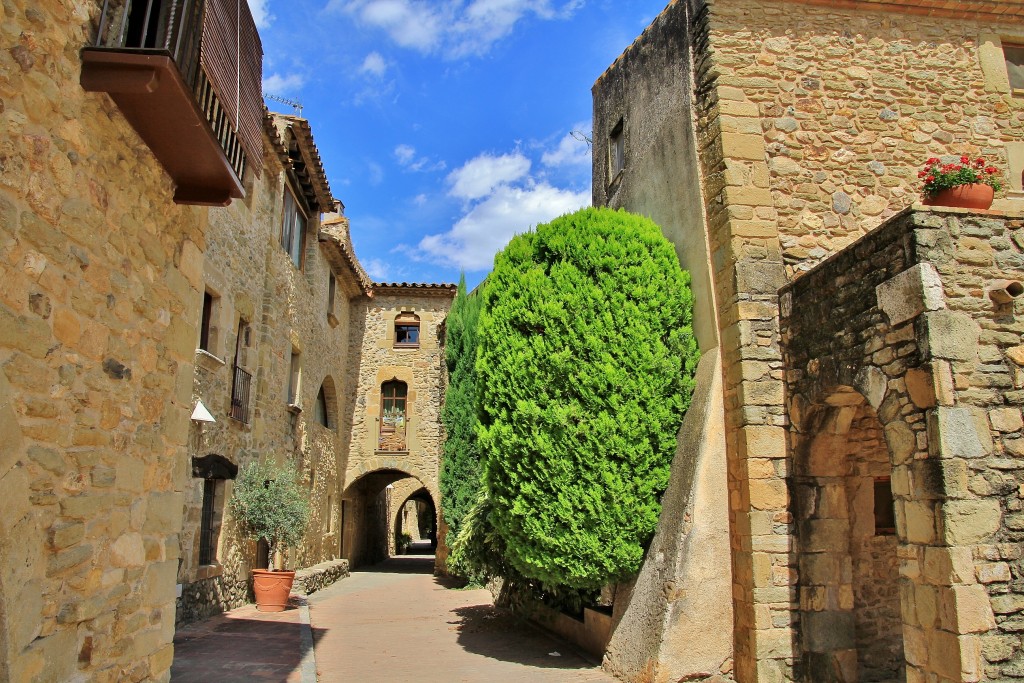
x,y
201,414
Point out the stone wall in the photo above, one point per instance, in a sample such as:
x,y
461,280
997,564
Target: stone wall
x,y
100,274
809,123
377,360
286,309
913,332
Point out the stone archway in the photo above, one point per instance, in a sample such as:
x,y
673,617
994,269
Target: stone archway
x,y
368,513
415,513
847,555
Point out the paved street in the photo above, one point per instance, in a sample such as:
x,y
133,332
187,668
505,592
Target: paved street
x,y
395,622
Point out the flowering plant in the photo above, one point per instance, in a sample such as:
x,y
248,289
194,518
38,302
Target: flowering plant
x,y
940,176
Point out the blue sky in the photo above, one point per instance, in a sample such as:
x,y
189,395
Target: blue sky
x,y
445,125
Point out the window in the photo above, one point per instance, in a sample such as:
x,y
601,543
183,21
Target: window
x,y
294,373
243,380
293,229
210,522
320,413
207,329
1013,55
885,516
332,288
392,409
213,469
407,330
616,151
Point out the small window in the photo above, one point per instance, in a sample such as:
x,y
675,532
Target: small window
x,y
294,376
209,529
407,330
1014,58
320,413
885,516
393,396
616,151
332,288
293,229
207,329
242,384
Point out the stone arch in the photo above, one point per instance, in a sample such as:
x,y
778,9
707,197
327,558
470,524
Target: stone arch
x,y
328,394
417,527
851,625
367,523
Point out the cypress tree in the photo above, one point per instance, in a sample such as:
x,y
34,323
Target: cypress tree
x,y
585,362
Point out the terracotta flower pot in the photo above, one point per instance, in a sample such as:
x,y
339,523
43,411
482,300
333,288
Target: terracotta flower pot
x,y
272,589
974,196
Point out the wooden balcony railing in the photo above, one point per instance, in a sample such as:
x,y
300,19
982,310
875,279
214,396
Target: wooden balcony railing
x,y
240,395
186,75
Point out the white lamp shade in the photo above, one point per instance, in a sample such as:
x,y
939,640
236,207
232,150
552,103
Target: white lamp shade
x,y
201,414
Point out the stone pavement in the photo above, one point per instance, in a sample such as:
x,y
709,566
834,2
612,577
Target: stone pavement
x,y
392,622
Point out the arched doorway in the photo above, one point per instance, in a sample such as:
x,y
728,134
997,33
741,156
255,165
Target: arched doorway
x,y
851,626
415,515
372,514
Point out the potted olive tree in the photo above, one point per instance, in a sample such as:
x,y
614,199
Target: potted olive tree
x,y
268,505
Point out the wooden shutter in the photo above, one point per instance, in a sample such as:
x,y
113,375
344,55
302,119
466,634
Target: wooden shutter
x,y
232,56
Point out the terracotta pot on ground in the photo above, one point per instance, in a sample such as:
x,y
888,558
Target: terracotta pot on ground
x,y
974,196
272,589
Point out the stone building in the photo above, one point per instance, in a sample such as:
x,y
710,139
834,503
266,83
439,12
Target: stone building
x,y
395,343
161,243
106,159
859,391
270,363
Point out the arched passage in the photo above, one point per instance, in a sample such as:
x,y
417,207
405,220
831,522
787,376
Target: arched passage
x,y
370,514
416,515
851,625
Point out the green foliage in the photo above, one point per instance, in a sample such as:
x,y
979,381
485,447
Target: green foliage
x,y
402,541
586,361
460,472
268,504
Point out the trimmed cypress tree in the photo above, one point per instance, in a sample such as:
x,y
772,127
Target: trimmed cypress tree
x,y
460,470
586,361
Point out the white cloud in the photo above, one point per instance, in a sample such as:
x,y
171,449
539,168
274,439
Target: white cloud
x,y
276,84
374,65
479,176
375,172
572,150
420,200
406,157
474,240
377,269
450,26
261,13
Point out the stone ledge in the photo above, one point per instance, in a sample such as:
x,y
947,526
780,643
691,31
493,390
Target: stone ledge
x,y
319,576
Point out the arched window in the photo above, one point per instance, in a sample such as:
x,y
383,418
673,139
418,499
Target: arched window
x,y
325,412
392,406
407,330
320,413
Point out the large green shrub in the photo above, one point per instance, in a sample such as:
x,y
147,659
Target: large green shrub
x,y
585,369
268,504
460,469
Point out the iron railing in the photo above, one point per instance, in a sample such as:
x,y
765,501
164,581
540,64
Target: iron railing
x,y
173,28
240,395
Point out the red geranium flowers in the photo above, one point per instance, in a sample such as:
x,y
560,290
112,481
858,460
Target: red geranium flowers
x,y
940,176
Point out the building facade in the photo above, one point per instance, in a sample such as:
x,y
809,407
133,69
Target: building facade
x,y
103,233
858,396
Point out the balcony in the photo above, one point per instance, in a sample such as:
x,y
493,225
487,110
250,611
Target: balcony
x,y
391,435
186,75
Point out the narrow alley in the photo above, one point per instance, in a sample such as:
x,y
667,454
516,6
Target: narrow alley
x,y
394,621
